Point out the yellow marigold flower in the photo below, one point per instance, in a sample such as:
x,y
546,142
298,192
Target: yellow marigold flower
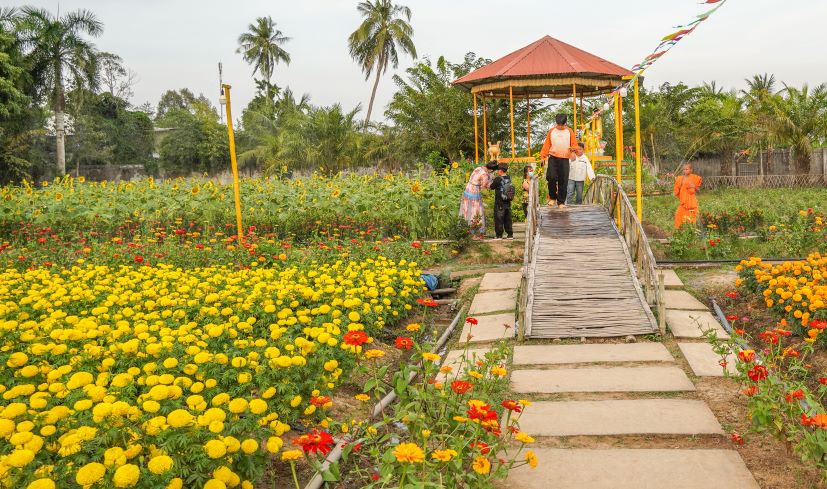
x,y
176,483
474,374
160,464
41,484
499,371
443,455
431,357
274,444
291,455
90,474
126,475
237,405
481,465
359,397
215,484
20,458
249,446
179,418
114,456
524,402
531,458
409,453
523,438
371,354
215,449
258,406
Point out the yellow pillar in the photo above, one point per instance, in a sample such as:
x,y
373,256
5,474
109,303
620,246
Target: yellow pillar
x,y
234,165
574,101
476,132
618,146
620,139
528,119
484,130
638,154
511,103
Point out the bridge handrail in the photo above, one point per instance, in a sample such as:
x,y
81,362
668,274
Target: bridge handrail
x,y
606,191
531,223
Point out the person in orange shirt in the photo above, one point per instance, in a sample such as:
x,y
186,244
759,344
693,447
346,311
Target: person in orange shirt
x,y
686,186
560,141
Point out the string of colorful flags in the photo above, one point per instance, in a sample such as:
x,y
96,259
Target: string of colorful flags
x,y
666,44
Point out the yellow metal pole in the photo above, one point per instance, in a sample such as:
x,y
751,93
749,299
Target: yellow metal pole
x,y
476,132
620,139
528,118
234,165
484,130
618,147
638,154
574,101
511,102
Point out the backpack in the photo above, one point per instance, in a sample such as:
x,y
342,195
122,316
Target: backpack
x,y
507,189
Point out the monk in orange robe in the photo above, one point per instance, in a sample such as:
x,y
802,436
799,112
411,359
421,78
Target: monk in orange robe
x,y
686,186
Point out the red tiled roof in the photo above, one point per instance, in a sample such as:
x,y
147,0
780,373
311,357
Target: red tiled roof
x,y
547,57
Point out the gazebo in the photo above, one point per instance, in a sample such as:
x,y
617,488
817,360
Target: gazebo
x,y
545,69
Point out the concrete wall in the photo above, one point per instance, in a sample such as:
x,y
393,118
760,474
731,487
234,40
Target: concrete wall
x,y
775,162
116,173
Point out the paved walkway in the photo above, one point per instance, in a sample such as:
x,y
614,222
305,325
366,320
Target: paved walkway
x,y
603,392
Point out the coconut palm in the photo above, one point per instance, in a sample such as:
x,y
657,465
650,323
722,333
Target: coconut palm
x,y
375,44
801,121
58,53
262,48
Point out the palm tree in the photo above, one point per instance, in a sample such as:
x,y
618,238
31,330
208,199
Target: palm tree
x,y
262,47
374,44
801,121
58,54
758,99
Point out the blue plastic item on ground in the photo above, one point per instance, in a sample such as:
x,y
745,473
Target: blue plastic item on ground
x,y
431,281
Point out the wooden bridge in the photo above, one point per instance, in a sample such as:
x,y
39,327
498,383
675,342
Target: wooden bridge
x,y
589,270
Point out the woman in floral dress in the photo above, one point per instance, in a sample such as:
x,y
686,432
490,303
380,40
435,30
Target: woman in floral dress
x,y
471,208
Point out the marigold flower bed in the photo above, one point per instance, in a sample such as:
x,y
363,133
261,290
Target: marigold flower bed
x,y
157,376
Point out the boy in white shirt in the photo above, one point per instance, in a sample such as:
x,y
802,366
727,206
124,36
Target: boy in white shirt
x,y
579,168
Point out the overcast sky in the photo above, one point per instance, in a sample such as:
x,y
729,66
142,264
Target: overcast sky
x,y
178,43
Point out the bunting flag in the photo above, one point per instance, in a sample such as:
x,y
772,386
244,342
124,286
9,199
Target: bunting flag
x,y
664,46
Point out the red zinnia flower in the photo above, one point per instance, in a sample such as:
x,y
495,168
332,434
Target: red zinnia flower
x,y
427,302
736,438
319,401
461,386
769,337
404,343
512,406
471,321
356,338
757,373
732,317
746,356
818,324
315,441
139,259
750,391
823,380
732,295
484,448
797,395
416,244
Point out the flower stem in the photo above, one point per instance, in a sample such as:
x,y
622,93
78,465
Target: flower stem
x,y
295,477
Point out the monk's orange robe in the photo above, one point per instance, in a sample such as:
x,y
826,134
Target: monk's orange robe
x,y
688,208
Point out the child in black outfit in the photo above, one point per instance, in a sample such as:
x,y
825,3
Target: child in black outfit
x,y
503,195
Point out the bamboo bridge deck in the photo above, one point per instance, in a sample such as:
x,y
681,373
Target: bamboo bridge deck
x,y
581,278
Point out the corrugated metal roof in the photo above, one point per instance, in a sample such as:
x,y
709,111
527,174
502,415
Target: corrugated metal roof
x,y
547,57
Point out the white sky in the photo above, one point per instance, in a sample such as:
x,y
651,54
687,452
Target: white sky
x,y
178,43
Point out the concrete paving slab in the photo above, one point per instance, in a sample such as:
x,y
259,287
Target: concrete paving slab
x,y
679,299
590,353
671,279
490,302
623,417
490,328
633,469
704,361
691,324
601,379
501,281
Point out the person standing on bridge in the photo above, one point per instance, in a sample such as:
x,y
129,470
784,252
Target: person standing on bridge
x,y
560,140
686,186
